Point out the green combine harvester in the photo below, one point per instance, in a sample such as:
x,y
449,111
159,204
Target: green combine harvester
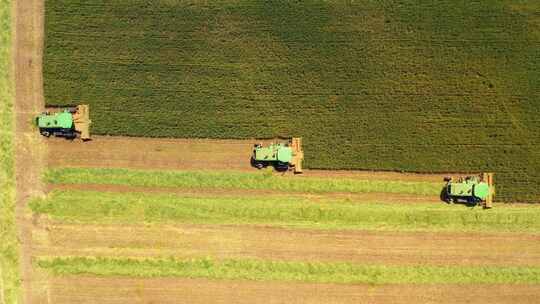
x,y
282,156
69,123
471,189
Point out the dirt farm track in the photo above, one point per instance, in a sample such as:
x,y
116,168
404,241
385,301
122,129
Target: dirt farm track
x,y
86,290
41,236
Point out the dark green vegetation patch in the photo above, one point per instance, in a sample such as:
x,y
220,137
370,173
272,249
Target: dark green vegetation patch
x,y
391,85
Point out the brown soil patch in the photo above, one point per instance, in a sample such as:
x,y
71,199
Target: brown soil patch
x,y
274,243
128,290
212,192
150,153
185,154
27,25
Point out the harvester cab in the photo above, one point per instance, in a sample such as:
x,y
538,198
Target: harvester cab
x,y
68,123
282,156
475,189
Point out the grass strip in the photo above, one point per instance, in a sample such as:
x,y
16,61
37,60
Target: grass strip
x,y
9,245
234,180
314,272
110,207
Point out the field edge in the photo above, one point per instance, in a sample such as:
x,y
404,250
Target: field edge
x,y
9,243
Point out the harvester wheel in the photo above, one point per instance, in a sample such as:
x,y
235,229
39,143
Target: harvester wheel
x,y
281,167
46,133
257,164
444,196
71,136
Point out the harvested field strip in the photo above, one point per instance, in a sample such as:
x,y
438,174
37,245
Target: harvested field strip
x,y
188,154
276,243
345,273
234,180
98,207
152,153
115,290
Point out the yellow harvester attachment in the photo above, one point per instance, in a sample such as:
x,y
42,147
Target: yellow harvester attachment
x,y
298,154
488,178
81,119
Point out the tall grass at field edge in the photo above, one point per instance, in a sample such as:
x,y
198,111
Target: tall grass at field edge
x,y
9,245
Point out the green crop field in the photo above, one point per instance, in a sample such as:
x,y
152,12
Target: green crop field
x,y
9,255
392,85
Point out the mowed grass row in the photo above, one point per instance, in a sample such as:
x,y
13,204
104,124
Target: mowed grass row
x,y
9,244
414,86
233,180
111,207
313,272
